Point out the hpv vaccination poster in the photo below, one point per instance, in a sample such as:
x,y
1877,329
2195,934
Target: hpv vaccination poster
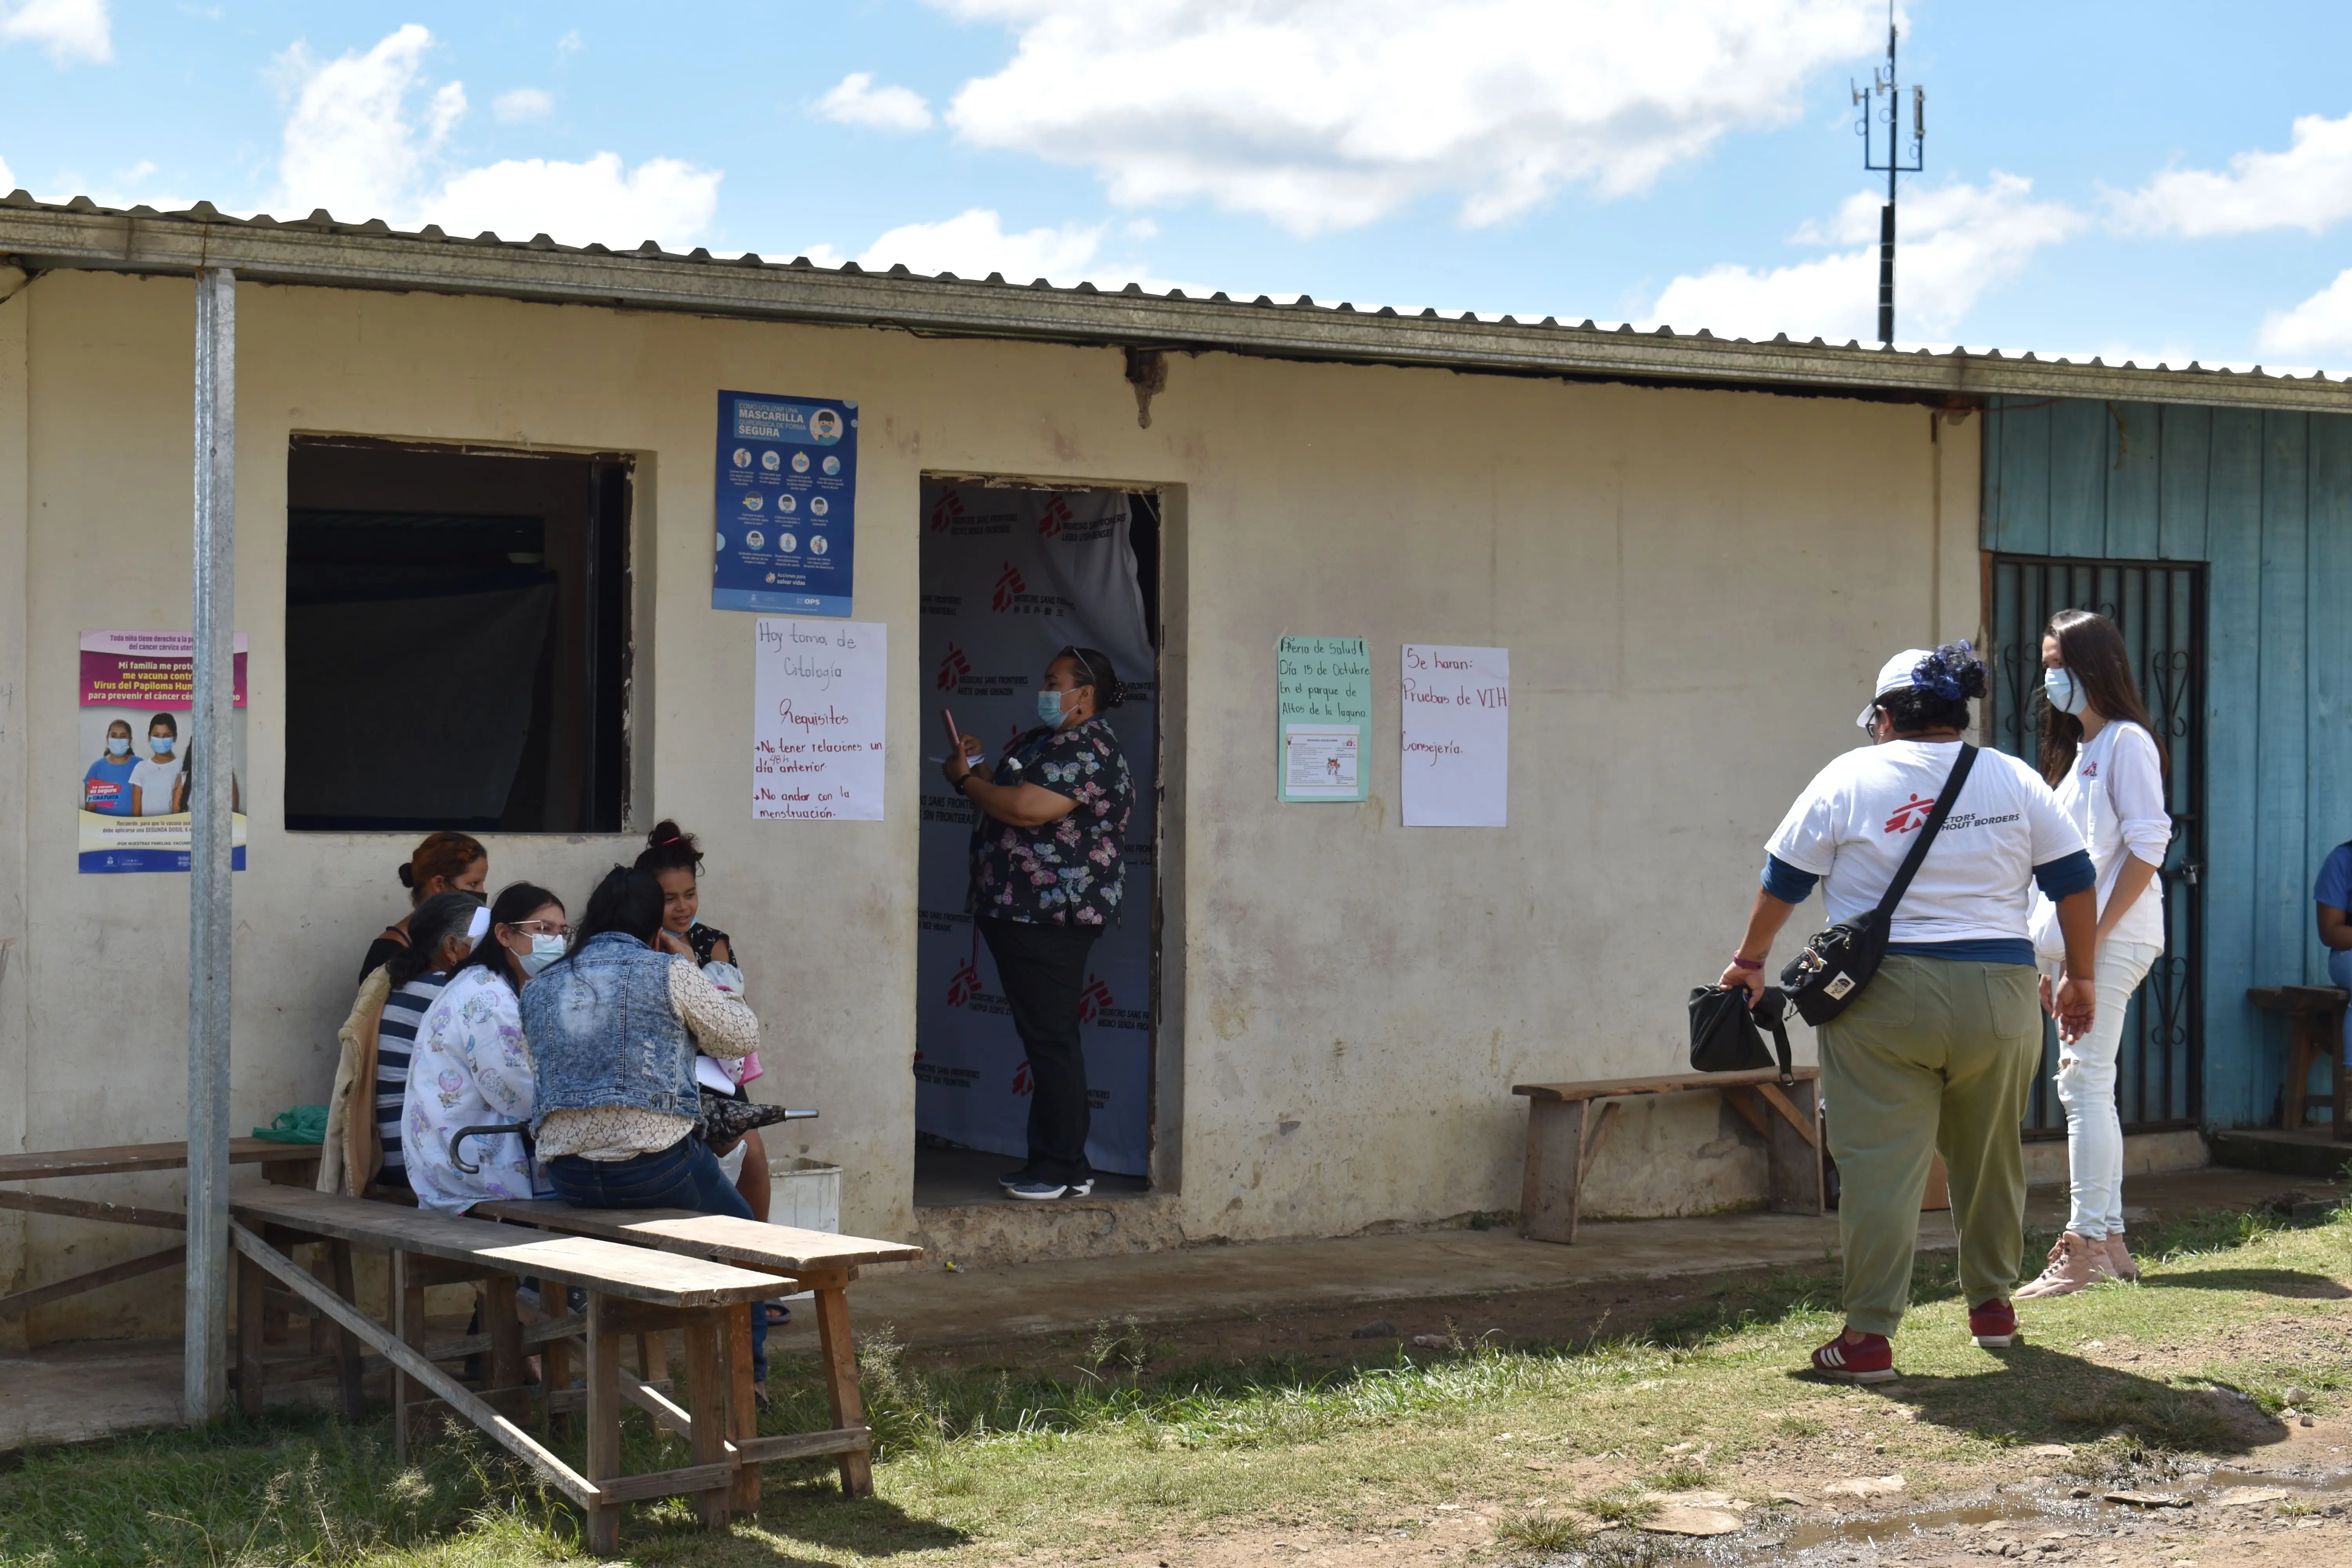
x,y
137,696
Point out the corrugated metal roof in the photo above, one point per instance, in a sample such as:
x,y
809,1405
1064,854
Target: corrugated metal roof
x,y
319,250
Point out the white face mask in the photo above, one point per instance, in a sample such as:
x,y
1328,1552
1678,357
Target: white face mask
x,y
2065,692
118,745
544,949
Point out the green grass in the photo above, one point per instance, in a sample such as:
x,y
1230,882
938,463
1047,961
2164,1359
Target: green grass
x,y
979,1467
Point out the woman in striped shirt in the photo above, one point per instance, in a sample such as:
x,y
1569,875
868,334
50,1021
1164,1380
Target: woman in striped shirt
x,y
441,935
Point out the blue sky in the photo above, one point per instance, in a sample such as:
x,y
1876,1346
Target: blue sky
x,y
2151,180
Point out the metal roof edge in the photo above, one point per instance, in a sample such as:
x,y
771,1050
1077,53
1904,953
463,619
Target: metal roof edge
x,y
322,253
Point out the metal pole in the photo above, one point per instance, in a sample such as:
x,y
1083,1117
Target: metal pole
x,y
1887,214
205,1388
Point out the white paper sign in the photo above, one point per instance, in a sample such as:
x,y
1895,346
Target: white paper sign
x,y
817,718
1456,762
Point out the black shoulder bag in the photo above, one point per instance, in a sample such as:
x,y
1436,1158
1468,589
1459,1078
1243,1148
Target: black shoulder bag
x,y
1834,966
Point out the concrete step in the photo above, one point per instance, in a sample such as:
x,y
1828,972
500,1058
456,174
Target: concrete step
x,y
2310,1152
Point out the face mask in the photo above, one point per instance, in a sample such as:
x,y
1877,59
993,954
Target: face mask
x,y
2065,693
544,951
1049,708
119,744
160,742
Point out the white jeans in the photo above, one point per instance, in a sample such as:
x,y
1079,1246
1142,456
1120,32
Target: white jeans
x,y
2086,1087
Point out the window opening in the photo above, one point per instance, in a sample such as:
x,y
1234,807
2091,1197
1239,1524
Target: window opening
x,y
457,639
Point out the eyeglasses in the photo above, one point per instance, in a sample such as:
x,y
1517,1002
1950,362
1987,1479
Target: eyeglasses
x,y
540,928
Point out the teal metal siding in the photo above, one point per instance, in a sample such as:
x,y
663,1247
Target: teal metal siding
x,y
2266,499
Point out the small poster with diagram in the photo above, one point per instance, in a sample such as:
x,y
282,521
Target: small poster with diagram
x,y
137,701
1323,714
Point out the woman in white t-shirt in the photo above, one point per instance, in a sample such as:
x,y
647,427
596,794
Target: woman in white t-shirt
x,y
1937,1051
2100,752
155,781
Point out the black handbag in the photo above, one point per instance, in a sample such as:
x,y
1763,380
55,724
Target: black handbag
x,y
1724,1033
1834,966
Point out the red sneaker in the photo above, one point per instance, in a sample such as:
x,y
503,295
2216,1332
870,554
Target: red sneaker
x,y
1993,1325
1872,1361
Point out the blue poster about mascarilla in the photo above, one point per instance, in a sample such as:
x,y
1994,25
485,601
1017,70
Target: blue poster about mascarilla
x,y
787,504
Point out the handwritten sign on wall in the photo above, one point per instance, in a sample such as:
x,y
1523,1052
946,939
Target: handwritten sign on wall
x,y
1323,718
817,718
1457,761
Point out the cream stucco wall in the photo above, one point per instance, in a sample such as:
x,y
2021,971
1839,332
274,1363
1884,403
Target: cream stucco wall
x,y
1694,586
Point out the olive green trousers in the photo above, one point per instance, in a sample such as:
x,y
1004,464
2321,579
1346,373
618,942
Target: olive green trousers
x,y
1936,1056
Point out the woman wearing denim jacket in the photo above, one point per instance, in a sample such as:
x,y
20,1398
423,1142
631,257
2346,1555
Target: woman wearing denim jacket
x,y
613,1028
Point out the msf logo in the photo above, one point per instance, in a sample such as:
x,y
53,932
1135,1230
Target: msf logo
x,y
1054,518
1095,997
963,985
1910,817
952,669
1023,1084
951,508
1009,587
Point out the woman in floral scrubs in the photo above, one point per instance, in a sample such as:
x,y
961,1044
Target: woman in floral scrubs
x,y
1047,871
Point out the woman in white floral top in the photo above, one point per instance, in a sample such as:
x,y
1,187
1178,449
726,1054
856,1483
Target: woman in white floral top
x,y
472,1065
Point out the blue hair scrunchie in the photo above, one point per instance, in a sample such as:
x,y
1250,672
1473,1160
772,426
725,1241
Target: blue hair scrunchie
x,y
1941,671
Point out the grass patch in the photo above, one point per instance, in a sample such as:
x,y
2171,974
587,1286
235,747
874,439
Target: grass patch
x,y
980,1466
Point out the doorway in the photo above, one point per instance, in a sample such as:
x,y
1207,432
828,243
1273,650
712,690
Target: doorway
x,y
1012,573
2159,608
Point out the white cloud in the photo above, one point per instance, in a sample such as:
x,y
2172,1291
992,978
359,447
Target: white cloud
x,y
1324,114
855,100
523,103
364,140
2320,325
661,199
70,29
569,43
2308,186
973,244
350,144
7,179
1957,241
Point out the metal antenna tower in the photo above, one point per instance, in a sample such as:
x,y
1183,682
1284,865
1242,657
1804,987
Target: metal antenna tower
x,y
1890,114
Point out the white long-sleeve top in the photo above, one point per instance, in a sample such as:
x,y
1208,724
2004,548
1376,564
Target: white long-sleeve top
x,y
2114,793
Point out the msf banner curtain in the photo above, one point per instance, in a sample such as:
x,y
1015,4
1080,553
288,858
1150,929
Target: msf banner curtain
x,y
1009,578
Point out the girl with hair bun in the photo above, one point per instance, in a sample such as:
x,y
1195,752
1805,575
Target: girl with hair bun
x,y
673,857
444,863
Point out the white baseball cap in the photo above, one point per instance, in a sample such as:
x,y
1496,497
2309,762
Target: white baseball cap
x,y
1895,674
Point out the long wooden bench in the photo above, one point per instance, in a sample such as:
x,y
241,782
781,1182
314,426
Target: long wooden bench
x,y
112,1160
631,1290
816,1260
1565,1132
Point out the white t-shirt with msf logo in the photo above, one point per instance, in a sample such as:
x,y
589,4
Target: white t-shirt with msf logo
x,y
1855,823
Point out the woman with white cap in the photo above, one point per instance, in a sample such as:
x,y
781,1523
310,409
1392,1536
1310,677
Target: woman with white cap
x,y
1934,1053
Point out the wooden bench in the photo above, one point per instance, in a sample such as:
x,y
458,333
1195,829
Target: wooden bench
x,y
111,1160
1565,1132
2315,1031
816,1260
630,1290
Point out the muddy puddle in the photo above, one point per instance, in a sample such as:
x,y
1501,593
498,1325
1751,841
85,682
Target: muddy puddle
x,y
2055,1519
